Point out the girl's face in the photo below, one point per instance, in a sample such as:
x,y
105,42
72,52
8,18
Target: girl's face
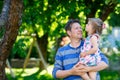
x,y
89,27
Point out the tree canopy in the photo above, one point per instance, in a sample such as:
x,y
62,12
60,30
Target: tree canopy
x,y
47,18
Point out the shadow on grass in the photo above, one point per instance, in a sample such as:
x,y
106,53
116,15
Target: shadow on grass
x,y
37,76
34,76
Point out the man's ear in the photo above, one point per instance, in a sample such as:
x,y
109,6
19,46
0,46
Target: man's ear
x,y
69,32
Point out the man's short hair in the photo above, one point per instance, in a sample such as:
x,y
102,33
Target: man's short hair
x,y
70,22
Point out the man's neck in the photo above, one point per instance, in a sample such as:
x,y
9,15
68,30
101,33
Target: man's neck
x,y
75,43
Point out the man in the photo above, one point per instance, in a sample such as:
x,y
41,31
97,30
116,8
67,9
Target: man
x,y
67,57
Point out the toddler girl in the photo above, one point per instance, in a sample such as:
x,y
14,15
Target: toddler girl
x,y
90,55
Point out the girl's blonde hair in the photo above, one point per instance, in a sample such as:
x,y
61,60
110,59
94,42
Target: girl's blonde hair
x,y
97,24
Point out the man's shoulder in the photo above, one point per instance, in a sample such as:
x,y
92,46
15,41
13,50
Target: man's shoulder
x,y
104,58
67,47
82,43
64,47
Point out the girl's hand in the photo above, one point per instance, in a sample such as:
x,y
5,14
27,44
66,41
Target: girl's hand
x,y
83,54
76,70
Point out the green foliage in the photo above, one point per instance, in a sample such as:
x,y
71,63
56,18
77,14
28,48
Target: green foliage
x,y
114,57
114,20
22,46
50,16
109,75
46,77
1,5
2,31
19,49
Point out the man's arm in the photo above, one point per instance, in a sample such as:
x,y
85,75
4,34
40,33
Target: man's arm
x,y
102,65
99,67
58,71
76,70
63,73
79,70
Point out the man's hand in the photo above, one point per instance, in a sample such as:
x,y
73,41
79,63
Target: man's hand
x,y
77,70
85,69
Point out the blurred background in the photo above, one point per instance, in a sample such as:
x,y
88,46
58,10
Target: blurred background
x,y
43,21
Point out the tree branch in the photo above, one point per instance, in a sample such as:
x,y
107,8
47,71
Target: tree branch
x,y
107,10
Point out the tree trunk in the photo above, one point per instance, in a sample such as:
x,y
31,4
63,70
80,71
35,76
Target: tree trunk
x,y
11,32
42,42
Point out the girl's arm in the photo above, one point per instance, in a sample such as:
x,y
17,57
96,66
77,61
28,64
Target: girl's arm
x,y
101,66
94,42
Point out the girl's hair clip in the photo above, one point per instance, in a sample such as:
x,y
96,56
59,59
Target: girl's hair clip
x,y
104,26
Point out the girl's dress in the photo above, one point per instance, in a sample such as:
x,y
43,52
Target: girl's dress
x,y
92,59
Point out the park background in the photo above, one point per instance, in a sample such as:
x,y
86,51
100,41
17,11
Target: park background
x,y
43,23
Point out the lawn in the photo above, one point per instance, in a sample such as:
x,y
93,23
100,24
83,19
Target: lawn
x,y
30,74
35,74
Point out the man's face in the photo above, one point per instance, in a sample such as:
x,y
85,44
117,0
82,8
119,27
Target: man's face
x,y
76,31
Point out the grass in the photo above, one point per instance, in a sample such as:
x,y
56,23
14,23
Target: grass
x,y
30,74
36,74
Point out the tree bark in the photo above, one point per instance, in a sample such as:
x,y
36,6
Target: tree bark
x,y
42,42
11,32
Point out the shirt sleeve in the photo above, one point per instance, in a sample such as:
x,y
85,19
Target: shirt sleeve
x,y
57,64
104,58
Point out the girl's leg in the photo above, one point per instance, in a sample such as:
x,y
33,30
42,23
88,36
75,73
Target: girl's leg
x,y
92,75
85,77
